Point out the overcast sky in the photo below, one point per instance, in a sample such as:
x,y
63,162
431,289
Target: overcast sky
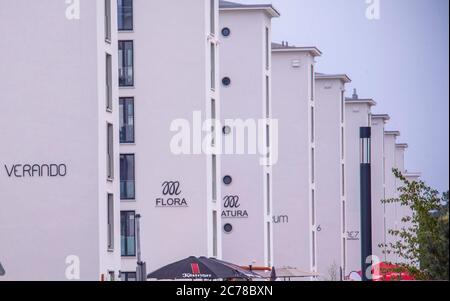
x,y
400,60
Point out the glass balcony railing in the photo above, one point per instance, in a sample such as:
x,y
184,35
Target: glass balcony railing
x,y
127,134
127,190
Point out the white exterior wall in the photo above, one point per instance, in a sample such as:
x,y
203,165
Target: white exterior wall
x,y
292,182
171,80
54,112
330,163
402,211
391,189
378,187
357,115
243,60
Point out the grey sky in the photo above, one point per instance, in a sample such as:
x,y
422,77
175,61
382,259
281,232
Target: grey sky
x,y
401,60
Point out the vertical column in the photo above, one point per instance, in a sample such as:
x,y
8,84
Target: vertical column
x,y
366,200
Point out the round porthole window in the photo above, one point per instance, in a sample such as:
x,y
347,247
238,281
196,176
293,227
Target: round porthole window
x,y
227,180
226,81
226,32
226,130
228,228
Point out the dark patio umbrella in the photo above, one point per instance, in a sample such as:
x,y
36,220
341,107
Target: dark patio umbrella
x,y
202,268
249,274
2,270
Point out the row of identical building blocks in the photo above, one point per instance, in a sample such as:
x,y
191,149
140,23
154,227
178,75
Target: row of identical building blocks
x,y
67,91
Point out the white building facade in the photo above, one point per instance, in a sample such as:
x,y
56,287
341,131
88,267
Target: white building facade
x,y
293,104
358,114
392,210
108,117
245,74
330,175
59,217
379,185
168,88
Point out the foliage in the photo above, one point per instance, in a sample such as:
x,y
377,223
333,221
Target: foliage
x,y
422,240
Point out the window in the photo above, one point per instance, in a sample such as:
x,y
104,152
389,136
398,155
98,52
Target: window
x,y
110,222
313,163
226,130
228,228
342,107
227,180
267,39
344,253
213,16
126,117
268,191
215,247
313,207
127,174
343,180
213,121
226,32
342,143
314,248
128,233
108,20
226,81
214,178
344,217
109,89
110,151
125,14
267,97
269,246
313,125
213,66
126,62
128,276
312,83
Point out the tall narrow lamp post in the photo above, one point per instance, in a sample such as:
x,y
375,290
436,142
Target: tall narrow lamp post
x,y
366,202
141,270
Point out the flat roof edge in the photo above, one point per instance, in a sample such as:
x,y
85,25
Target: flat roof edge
x,y
368,101
272,11
343,77
385,117
413,174
312,50
392,133
402,145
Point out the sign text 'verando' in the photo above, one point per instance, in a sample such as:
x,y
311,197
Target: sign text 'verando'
x,y
35,170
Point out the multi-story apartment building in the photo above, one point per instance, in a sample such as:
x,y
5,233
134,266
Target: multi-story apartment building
x,y
378,185
293,89
402,211
168,72
330,202
113,106
391,192
245,68
357,115
59,189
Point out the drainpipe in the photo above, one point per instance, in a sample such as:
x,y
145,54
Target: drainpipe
x,y
366,202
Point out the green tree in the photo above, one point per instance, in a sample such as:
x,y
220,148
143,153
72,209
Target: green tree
x,y
422,240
